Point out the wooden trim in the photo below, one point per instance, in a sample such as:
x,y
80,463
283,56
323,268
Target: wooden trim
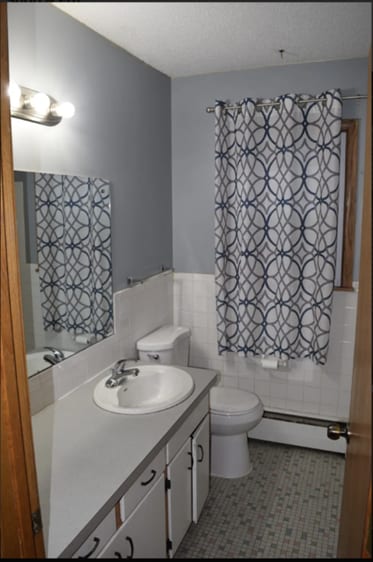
x,y
350,127
118,518
358,466
367,541
366,258
19,494
344,289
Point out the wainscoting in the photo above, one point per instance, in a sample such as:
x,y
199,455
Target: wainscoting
x,y
303,388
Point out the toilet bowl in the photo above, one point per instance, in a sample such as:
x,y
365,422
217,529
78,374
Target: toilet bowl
x,y
233,413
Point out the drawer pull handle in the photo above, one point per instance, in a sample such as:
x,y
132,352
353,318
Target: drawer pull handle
x,y
192,461
131,545
96,540
202,453
154,472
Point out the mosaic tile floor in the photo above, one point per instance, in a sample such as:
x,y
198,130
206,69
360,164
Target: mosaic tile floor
x,y
288,507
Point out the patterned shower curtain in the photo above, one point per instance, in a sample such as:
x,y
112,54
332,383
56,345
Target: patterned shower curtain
x,y
276,203
73,239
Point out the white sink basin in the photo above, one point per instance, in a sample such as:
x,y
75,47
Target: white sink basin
x,y
155,388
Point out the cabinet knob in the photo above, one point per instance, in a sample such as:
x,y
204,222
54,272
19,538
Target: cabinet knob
x,y
96,541
200,448
131,546
154,472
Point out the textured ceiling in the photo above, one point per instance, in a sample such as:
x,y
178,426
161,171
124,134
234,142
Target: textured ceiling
x,y
187,38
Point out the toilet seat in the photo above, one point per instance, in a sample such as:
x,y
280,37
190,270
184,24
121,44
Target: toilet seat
x,y
231,401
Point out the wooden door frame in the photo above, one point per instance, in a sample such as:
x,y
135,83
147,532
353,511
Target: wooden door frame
x,y
20,537
355,521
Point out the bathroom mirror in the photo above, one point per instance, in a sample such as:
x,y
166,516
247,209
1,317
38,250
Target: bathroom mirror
x,y
64,238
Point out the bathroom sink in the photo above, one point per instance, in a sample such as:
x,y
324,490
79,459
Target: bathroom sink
x,y
35,361
155,388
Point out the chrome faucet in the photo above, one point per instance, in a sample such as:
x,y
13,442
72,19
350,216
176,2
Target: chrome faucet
x,y
56,357
119,373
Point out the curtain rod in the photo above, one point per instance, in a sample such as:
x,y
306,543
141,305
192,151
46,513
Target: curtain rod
x,y
269,103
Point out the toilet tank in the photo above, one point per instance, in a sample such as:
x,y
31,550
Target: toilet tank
x,y
168,345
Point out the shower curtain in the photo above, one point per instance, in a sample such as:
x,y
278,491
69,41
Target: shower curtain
x,y
276,203
73,240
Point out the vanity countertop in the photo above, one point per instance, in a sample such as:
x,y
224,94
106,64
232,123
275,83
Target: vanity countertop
x,y
87,458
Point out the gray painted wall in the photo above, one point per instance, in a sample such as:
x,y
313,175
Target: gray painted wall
x,y
121,130
193,142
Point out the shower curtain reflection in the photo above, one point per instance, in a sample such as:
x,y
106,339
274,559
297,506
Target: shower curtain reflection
x,y
73,240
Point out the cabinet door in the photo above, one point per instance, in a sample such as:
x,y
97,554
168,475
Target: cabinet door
x,y
143,535
142,485
201,466
96,541
179,495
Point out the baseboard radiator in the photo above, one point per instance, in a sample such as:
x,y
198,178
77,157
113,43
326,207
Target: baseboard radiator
x,y
297,430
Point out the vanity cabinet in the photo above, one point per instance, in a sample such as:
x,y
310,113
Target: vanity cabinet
x,y
157,510
143,534
141,530
134,512
188,474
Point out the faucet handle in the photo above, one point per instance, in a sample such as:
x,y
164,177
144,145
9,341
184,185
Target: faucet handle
x,y
57,353
119,366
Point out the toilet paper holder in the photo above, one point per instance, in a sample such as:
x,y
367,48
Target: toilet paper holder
x,y
85,338
268,362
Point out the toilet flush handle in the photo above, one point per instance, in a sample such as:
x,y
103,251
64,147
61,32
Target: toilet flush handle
x,y
153,356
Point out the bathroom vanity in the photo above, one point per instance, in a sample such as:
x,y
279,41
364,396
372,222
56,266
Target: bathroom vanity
x,y
117,486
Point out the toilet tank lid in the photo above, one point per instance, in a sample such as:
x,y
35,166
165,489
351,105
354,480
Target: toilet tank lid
x,y
226,400
163,338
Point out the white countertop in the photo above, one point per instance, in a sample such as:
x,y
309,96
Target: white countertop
x,y
87,458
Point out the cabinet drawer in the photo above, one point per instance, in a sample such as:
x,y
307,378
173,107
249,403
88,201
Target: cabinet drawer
x,y
142,485
143,534
96,541
186,429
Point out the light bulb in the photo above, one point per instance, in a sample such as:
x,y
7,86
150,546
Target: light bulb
x,y
65,109
40,103
15,94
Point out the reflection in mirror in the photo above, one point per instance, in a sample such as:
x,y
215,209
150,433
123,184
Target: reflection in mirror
x,y
64,239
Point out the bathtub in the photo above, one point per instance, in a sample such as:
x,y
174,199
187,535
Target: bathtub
x,y
36,363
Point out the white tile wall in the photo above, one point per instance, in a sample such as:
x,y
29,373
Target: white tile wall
x,y
189,300
137,311
303,388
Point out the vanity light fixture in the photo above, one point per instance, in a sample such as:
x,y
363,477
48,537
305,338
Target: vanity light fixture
x,y
38,107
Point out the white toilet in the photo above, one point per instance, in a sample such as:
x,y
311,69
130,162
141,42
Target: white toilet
x,y
233,412
168,345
